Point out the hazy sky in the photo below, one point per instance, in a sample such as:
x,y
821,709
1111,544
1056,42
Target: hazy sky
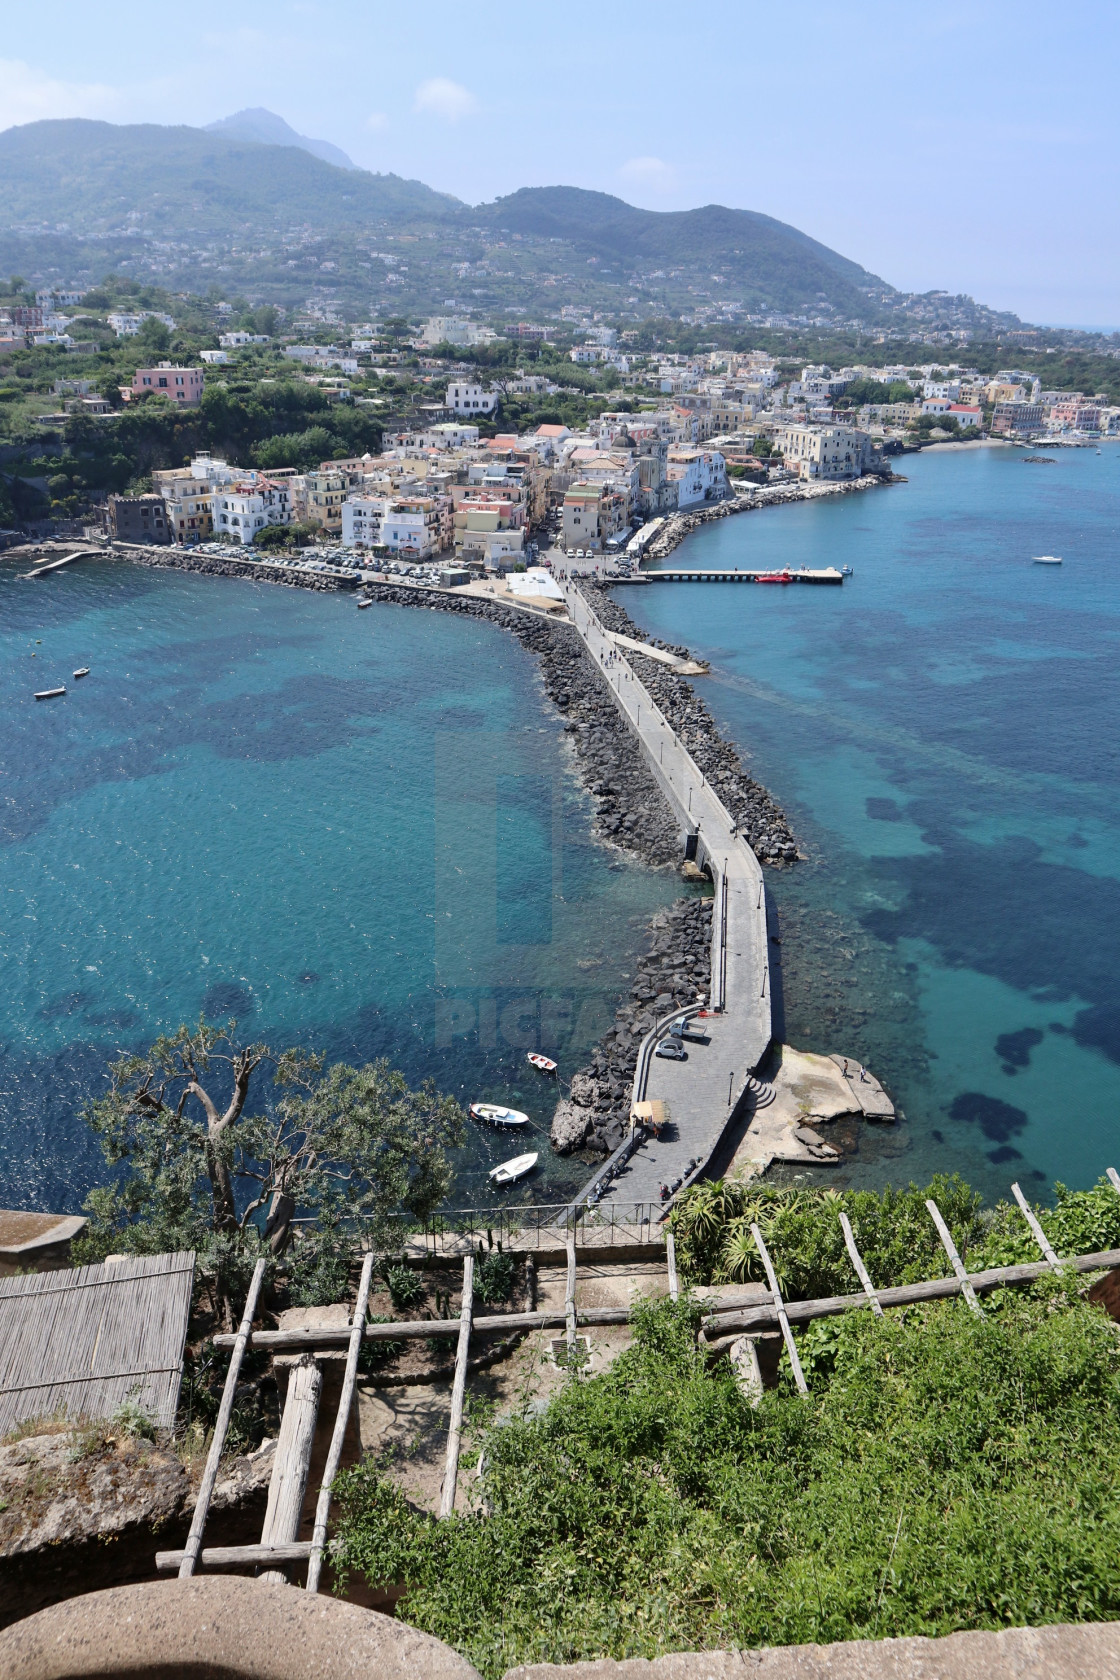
x,y
967,146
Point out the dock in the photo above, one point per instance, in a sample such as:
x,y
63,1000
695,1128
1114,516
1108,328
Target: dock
x,y
826,575
43,567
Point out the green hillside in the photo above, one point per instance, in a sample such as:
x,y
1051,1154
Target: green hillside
x,y
776,263
96,177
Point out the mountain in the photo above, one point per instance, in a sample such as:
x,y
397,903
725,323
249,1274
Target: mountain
x,y
246,207
774,263
183,183
267,129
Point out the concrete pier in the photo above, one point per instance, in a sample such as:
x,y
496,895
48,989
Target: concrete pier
x,y
726,1044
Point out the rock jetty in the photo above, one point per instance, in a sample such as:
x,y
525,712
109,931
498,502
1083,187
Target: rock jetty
x,y
755,812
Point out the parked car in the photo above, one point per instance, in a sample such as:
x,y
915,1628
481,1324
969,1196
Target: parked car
x,y
672,1049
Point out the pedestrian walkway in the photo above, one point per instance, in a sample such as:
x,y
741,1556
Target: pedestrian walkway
x,y
703,1092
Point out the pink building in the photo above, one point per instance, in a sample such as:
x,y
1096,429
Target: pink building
x,y
181,384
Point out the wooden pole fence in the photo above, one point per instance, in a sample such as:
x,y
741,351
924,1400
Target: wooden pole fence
x,y
1036,1230
779,1308
764,1316
955,1260
334,1452
458,1392
221,1428
856,1258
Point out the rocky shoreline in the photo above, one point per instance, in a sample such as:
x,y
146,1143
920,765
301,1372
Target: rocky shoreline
x,y
631,814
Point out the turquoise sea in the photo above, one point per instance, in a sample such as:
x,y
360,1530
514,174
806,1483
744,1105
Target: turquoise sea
x,y
944,732
353,830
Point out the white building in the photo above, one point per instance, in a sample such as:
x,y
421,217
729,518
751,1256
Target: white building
x,y
452,329
700,475
828,452
127,326
471,399
361,520
217,358
241,510
449,434
235,340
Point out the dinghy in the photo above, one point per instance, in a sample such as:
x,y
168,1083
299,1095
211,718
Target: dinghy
x,y
510,1171
543,1064
496,1114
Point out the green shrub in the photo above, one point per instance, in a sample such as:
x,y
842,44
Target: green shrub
x,y
493,1278
406,1287
945,1472
894,1233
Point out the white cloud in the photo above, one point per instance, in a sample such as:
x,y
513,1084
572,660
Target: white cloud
x,y
652,173
377,120
442,98
26,95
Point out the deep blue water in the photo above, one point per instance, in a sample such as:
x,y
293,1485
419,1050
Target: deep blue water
x,y
944,733
356,830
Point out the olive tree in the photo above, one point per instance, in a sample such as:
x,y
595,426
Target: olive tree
x,y
200,1166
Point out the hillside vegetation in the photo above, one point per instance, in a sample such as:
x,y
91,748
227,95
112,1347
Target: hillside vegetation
x,y
94,176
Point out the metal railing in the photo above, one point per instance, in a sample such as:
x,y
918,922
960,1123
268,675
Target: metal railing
x,y
535,1225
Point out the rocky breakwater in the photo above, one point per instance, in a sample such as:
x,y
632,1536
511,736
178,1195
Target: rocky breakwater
x,y
184,560
675,971
753,809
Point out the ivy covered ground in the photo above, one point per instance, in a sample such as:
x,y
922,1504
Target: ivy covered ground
x,y
945,1472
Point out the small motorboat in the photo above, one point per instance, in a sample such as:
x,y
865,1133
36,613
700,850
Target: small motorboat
x,y
82,671
774,577
1047,559
366,603
543,1064
496,1114
49,693
510,1171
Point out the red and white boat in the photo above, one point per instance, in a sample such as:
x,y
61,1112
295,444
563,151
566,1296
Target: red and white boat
x,y
543,1064
774,577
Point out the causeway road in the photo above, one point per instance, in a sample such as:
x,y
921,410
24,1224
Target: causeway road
x,y
703,1092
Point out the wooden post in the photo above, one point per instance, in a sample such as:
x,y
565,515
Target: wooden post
x,y
743,1355
671,1261
856,1258
779,1308
292,1464
1036,1230
950,1248
334,1453
221,1428
458,1391
570,1290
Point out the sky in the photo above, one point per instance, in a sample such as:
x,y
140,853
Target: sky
x,y
970,147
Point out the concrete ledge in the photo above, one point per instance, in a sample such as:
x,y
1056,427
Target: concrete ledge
x,y
1087,1652
220,1628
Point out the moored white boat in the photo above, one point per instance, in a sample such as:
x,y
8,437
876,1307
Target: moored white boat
x,y
49,693
82,671
508,1172
543,1064
496,1114
1047,559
